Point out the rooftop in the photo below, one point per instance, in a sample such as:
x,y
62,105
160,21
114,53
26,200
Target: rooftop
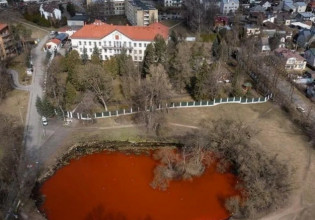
x,y
286,53
99,30
54,40
307,14
142,5
79,18
2,26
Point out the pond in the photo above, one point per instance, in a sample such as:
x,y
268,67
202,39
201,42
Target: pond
x,y
116,186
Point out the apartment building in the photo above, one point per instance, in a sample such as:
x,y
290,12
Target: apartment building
x,y
6,42
140,13
114,7
112,39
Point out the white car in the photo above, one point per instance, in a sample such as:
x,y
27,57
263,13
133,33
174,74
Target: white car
x,y
44,121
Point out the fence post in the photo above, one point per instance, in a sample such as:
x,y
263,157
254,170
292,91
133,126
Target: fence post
x,y
240,99
109,113
207,103
116,112
265,99
159,106
71,115
234,99
180,104
213,101
220,100
130,110
78,115
124,111
194,103
246,100
94,115
173,104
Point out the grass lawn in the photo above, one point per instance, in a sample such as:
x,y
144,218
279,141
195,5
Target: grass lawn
x,y
16,104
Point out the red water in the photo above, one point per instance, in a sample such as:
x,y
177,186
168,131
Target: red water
x,y
117,187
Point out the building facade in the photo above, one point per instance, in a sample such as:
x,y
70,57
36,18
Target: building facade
x,y
114,7
112,39
6,42
229,6
140,13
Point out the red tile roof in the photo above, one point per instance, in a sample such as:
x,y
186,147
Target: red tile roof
x,y
99,30
2,26
56,41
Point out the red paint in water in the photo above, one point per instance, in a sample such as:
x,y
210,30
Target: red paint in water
x,y
117,186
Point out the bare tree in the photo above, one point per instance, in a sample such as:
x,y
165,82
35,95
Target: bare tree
x,y
96,79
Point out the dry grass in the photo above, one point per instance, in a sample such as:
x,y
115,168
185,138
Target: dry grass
x,y
19,64
16,105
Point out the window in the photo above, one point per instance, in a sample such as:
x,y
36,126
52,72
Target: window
x,y
80,49
140,58
110,50
129,44
136,58
104,43
105,50
145,45
106,57
140,45
135,52
140,51
110,43
100,50
134,44
84,42
90,43
90,49
79,42
94,44
99,43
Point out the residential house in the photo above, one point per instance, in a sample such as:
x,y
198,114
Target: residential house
x,y
289,6
310,57
251,30
305,37
50,11
293,60
140,13
6,42
112,39
53,45
300,6
305,16
265,4
221,21
229,6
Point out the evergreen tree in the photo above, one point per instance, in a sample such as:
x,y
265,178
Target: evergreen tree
x,y
84,56
149,58
44,107
70,94
95,58
160,49
215,47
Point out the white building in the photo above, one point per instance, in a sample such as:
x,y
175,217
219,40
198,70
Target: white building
x,y
172,3
112,39
293,61
227,6
300,6
53,45
50,11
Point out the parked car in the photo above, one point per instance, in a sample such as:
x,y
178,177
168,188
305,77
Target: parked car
x,y
44,121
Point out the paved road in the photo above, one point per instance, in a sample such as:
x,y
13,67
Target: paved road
x,y
15,81
34,129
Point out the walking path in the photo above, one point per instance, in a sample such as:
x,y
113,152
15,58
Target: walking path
x,y
15,81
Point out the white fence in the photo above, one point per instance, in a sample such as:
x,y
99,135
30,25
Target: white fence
x,y
116,113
